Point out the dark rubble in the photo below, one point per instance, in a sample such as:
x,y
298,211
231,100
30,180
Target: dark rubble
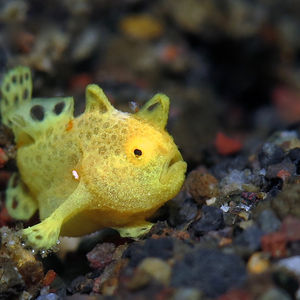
x,y
231,69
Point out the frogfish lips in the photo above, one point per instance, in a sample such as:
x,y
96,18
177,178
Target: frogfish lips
x,y
173,170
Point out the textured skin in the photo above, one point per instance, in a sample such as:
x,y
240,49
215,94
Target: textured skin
x,y
104,168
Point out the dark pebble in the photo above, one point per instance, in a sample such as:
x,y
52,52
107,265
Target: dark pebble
x,y
294,155
274,186
249,238
160,248
211,271
82,285
222,168
183,213
212,219
270,154
3,59
287,281
268,221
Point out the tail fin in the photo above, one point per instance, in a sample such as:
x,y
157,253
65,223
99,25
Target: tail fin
x,y
16,88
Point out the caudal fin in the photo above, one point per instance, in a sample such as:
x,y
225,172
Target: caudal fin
x,y
16,88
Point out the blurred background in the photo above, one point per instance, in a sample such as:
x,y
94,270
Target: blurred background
x,y
230,68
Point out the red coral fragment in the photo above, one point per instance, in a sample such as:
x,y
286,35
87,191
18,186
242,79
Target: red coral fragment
x,y
25,41
80,81
5,218
49,278
291,229
3,158
283,174
226,145
236,295
287,103
275,244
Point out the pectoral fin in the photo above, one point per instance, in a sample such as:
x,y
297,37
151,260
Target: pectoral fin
x,y
134,231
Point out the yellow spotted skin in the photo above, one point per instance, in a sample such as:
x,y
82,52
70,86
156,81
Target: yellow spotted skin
x,y
104,168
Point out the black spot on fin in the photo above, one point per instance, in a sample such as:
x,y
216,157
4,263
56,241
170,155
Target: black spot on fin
x,y
16,89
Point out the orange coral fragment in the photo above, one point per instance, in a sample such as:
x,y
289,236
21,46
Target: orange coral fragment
x,y
283,174
49,278
226,145
287,103
3,158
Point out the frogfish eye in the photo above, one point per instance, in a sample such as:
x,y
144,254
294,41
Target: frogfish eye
x,y
137,152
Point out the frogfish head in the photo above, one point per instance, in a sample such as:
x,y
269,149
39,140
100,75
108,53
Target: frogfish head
x,y
142,168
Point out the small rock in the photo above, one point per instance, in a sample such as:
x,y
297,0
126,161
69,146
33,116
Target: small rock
x,y
142,27
294,155
85,43
81,284
101,255
212,219
287,202
50,296
187,294
275,294
275,169
258,263
160,248
201,185
14,11
287,281
270,154
211,271
11,282
274,186
268,221
156,268
249,238
235,181
182,213
291,263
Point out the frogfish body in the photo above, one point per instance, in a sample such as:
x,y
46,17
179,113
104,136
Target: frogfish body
x,y
104,168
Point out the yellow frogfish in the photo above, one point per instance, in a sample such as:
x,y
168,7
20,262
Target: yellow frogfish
x,y
104,168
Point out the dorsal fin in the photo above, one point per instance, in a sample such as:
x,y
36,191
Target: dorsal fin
x,y
35,117
96,100
16,89
155,111
30,118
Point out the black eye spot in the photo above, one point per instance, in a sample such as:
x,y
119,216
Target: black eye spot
x,y
137,152
58,108
15,202
37,113
16,99
153,106
25,94
7,87
26,76
14,79
21,79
